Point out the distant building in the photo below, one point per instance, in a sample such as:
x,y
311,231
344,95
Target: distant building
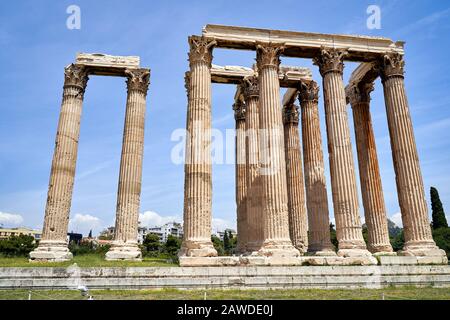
x,y
74,237
6,233
172,228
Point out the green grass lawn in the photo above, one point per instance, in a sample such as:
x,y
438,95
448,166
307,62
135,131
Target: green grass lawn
x,y
391,293
86,260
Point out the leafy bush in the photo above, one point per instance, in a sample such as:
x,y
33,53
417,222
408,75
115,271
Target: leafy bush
x,y
17,246
87,247
442,238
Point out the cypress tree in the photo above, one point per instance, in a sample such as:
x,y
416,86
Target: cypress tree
x,y
438,214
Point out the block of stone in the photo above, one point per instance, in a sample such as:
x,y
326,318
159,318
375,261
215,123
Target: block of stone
x,y
397,260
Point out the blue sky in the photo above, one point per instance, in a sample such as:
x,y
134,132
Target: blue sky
x,y
36,45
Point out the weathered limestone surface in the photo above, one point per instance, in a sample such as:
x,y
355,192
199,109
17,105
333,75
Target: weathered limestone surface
x,y
410,189
298,220
241,175
302,44
243,277
53,246
198,183
369,172
125,244
343,180
316,191
273,165
255,236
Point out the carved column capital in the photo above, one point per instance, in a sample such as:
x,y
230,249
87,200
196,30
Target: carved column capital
x,y
200,50
391,65
268,55
138,79
239,110
290,114
76,76
308,91
360,93
330,60
251,87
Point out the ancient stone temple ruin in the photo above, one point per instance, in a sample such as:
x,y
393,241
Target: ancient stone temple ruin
x,y
53,245
282,212
281,191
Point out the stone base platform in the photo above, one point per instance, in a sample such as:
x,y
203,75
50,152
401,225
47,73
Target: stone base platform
x,y
250,277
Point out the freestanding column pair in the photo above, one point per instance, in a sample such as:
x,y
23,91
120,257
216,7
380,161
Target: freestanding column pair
x,y
53,246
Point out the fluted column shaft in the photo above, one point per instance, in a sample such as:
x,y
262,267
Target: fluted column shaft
x,y
316,192
130,175
64,161
255,228
273,165
241,175
59,197
198,167
298,221
410,189
343,180
369,172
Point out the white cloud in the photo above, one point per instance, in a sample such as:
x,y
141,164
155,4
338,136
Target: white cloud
x,y
222,224
83,223
153,219
10,219
397,219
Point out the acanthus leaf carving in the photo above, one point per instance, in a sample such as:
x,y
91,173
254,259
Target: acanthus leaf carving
x,y
76,76
251,87
360,93
290,114
268,54
239,110
201,50
138,79
391,65
309,91
330,60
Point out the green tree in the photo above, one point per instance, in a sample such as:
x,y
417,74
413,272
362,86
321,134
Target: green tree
x,y
172,245
151,242
218,245
398,241
438,214
333,237
16,246
90,234
226,242
442,238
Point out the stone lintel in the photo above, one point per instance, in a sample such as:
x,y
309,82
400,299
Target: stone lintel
x,y
107,65
289,76
302,44
364,73
290,96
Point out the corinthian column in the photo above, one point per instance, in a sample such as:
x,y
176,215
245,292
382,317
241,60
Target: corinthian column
x,y
197,183
273,165
53,245
343,180
316,190
369,172
241,176
298,221
125,246
255,226
410,190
